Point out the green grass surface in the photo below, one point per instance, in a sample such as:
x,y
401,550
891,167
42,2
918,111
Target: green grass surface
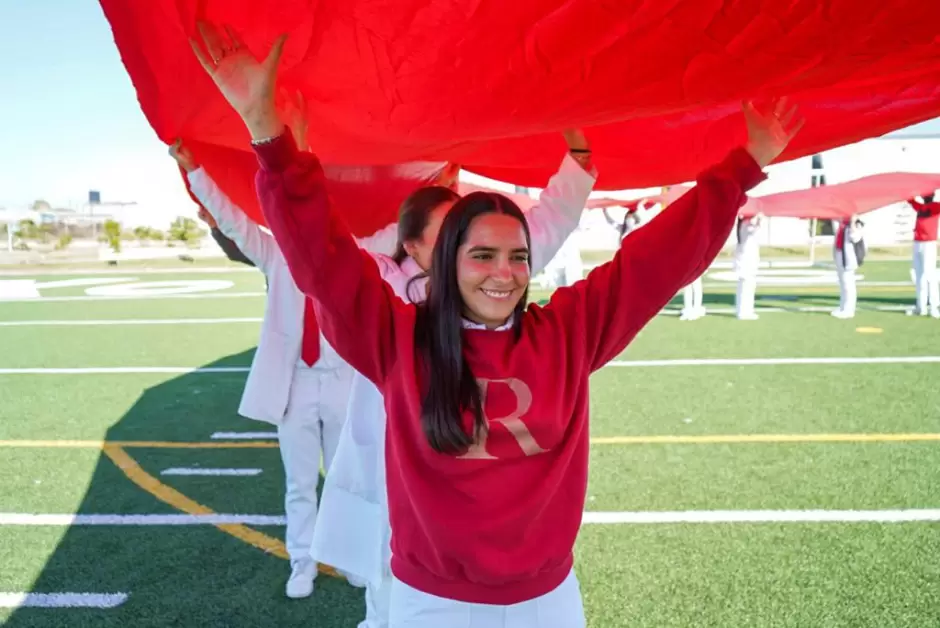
x,y
735,574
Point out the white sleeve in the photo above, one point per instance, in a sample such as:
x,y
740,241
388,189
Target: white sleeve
x,y
558,211
258,246
383,242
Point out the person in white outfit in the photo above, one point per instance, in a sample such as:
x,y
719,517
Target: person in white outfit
x,y
746,265
354,496
926,281
567,266
848,252
692,301
297,382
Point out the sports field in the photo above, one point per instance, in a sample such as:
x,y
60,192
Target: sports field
x,y
780,472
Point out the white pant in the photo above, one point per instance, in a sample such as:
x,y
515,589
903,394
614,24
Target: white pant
x,y
848,291
926,282
692,297
378,599
313,422
747,289
561,608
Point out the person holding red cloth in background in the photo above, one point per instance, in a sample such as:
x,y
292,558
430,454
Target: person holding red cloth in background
x,y
297,382
487,399
848,253
926,281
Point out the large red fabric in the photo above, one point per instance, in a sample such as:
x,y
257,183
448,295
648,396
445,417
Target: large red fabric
x,y
844,199
838,201
490,84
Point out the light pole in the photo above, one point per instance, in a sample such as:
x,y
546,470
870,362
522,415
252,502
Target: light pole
x,y
817,179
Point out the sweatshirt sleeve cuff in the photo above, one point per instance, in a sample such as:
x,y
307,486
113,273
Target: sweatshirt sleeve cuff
x,y
744,169
277,154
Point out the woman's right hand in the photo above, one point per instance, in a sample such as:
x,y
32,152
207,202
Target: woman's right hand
x,y
182,156
247,84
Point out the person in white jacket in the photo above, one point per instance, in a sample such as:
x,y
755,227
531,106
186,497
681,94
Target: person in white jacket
x,y
746,265
297,382
848,252
354,496
692,301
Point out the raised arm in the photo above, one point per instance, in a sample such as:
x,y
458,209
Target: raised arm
x,y
561,202
257,246
382,242
356,309
620,297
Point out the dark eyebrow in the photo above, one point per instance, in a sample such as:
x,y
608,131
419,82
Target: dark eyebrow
x,y
490,249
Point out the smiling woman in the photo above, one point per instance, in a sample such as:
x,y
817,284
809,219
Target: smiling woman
x,y
487,434
492,258
480,278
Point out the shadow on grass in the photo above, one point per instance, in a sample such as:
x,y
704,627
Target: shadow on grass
x,y
183,575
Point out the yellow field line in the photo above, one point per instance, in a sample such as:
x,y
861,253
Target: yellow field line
x,y
604,440
171,496
765,438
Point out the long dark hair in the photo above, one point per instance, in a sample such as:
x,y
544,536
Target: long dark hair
x,y
451,386
414,213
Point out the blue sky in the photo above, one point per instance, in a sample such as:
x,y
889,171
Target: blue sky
x,y
72,117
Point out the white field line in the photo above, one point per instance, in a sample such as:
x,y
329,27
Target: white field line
x,y
918,359
208,471
782,282
62,600
140,297
209,270
675,310
923,359
25,519
243,435
131,321
183,370
765,516
588,518
671,311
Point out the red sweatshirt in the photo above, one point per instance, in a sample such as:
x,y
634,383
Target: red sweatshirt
x,y
928,220
496,525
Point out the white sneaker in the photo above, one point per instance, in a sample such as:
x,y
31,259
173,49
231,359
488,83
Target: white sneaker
x,y
842,315
748,317
302,573
934,313
912,311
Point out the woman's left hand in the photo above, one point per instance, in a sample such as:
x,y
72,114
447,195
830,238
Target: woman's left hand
x,y
770,127
247,84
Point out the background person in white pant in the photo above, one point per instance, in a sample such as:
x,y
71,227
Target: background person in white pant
x,y
297,381
567,266
848,254
746,265
926,281
354,496
692,297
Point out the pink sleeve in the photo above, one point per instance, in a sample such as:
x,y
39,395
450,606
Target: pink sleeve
x,y
619,298
355,309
